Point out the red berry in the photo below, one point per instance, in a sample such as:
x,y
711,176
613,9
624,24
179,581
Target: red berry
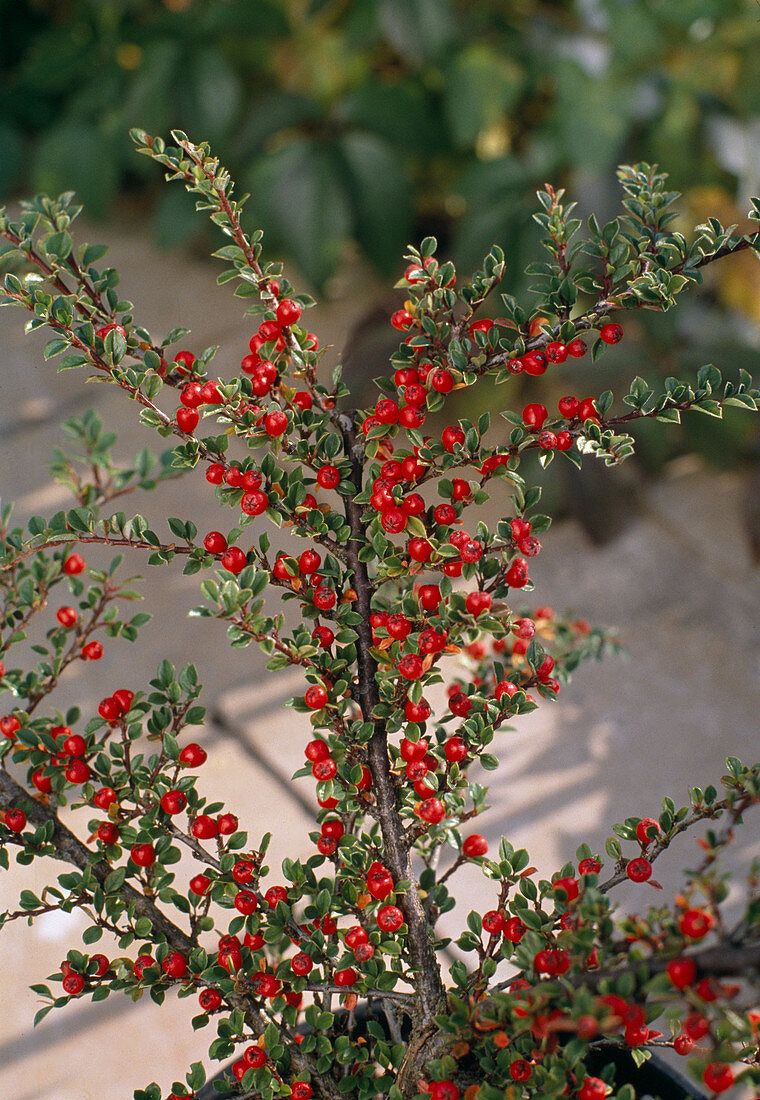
x,y
328,477
429,596
173,802
718,1076
210,1000
514,930
534,363
420,550
215,473
410,666
611,334
683,1045
517,574
324,770
199,884
143,963
696,1026
15,820
432,810
108,833
401,319
9,726
315,697
227,824
215,542
345,977
75,745
187,419
174,965
246,902
556,352
204,827
520,1070
73,984
568,886
455,749
102,964
274,895
123,697
243,871
587,409
379,881
534,416
275,423
647,830
255,503
193,755
77,772
255,1056
443,1090
288,312
442,381
451,437
66,616
477,602
589,867
696,923
234,561
41,782
324,598
474,845
73,565
301,1090
143,855
682,972
92,651
389,918
593,1088
576,348
104,798
639,869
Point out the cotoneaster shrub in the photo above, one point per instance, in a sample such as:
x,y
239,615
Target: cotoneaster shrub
x,y
398,585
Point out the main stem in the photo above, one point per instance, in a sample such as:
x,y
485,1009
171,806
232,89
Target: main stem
x,y
430,993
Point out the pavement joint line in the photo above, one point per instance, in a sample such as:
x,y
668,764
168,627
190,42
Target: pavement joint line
x,y
253,752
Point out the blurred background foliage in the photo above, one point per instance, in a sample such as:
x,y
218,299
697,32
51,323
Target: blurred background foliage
x,y
362,124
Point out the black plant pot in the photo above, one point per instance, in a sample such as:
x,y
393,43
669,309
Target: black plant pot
x,y
655,1078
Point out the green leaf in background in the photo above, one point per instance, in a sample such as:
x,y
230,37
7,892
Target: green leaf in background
x,y
11,158
72,158
381,196
270,113
493,196
592,115
483,84
174,220
212,96
419,29
399,111
298,195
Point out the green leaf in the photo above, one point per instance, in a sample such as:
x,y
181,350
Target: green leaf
x,y
482,85
73,154
297,194
419,29
76,359
58,245
381,197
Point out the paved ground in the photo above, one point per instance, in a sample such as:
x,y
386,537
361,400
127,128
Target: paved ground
x,y
679,583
